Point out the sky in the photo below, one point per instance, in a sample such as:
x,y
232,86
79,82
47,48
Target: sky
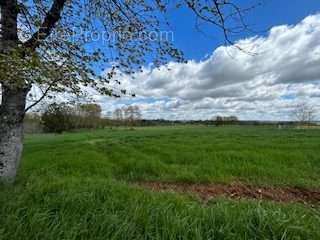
x,y
280,69
271,13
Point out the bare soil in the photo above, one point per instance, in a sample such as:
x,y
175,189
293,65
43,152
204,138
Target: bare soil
x,y
239,191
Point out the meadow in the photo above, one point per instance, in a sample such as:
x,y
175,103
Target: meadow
x,y
87,184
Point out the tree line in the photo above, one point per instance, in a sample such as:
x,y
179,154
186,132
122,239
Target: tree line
x,y
60,117
57,118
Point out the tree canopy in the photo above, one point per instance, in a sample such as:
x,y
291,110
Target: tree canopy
x,y
54,45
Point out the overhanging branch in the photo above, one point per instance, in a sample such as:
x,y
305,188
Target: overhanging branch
x,y
45,93
51,18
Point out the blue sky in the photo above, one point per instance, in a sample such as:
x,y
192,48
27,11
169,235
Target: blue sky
x,y
222,80
271,13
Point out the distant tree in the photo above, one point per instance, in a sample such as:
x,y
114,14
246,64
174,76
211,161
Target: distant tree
x,y
233,119
90,109
218,121
118,114
137,113
87,115
222,120
57,118
132,113
304,113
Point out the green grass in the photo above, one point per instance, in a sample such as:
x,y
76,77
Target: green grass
x,y
77,185
257,155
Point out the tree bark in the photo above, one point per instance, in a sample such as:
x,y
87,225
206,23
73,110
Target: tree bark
x,y
11,131
13,97
14,92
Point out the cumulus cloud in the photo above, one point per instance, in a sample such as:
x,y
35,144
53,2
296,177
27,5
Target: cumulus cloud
x,y
263,82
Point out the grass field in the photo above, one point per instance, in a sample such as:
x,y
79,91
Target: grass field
x,y
79,185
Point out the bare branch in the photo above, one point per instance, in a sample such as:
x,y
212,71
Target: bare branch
x,y
45,93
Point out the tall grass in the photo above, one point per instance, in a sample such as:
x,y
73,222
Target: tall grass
x,y
92,208
257,155
76,186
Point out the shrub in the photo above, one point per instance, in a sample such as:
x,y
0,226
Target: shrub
x,y
57,118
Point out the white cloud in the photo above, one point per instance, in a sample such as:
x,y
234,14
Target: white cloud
x,y
283,70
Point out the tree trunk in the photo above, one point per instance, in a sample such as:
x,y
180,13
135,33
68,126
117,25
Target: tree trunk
x,y
11,131
13,96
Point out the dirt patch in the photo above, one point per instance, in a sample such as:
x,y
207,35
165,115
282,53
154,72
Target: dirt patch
x,y
238,191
